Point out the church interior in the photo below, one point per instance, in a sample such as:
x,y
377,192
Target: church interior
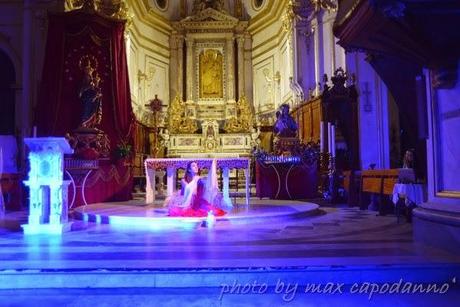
x,y
229,152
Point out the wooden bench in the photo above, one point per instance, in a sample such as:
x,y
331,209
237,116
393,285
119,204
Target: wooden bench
x,y
380,182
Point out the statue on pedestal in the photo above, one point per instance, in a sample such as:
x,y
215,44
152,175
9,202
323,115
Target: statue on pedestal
x,y
285,125
88,141
90,96
285,131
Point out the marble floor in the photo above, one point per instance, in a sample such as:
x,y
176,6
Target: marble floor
x,y
338,244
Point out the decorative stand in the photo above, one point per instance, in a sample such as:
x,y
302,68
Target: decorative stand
x,y
155,106
89,143
285,145
328,177
332,183
323,173
48,191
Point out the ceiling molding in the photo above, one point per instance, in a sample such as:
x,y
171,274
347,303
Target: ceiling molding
x,y
269,15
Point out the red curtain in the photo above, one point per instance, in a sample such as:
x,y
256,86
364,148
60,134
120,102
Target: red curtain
x,y
74,36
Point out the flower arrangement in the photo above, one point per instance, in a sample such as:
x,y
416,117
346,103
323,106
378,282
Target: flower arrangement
x,y
301,153
123,150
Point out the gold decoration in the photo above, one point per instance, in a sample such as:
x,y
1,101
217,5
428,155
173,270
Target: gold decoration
x,y
290,15
117,9
123,13
201,5
244,121
178,121
238,9
211,62
87,142
329,5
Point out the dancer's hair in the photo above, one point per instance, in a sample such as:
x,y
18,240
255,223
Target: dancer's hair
x,y
188,172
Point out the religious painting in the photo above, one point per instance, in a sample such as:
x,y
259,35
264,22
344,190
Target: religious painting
x,y
211,74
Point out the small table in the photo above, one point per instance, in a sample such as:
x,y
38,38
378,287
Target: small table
x,y
78,171
412,193
286,180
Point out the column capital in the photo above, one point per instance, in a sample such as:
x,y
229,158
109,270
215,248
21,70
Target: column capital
x,y
240,40
189,41
177,41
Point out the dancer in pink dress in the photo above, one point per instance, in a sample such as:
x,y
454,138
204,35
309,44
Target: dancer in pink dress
x,y
198,195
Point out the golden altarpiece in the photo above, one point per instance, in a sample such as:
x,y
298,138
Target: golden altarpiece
x,y
210,114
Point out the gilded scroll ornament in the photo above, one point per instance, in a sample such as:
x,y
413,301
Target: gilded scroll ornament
x,y
211,73
178,121
114,8
244,120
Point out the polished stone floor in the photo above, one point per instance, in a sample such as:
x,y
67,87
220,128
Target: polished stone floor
x,y
338,244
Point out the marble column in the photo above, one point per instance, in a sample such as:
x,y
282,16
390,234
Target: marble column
x,y
27,48
230,70
328,47
173,67
240,44
180,66
297,89
247,67
189,85
316,52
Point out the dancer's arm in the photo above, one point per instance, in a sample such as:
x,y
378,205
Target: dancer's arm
x,y
190,189
212,187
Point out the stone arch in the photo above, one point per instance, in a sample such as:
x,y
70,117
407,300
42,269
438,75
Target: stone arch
x,y
8,49
7,92
9,52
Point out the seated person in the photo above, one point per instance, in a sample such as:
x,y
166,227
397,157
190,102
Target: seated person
x,y
198,195
408,161
408,172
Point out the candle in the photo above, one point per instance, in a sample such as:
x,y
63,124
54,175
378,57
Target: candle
x,y
329,137
35,132
333,140
321,136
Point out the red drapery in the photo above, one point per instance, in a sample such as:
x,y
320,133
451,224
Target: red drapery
x,y
71,37
74,36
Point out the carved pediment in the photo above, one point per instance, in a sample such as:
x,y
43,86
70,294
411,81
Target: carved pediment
x,y
210,18
210,14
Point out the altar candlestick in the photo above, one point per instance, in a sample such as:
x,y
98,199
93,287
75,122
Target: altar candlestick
x,y
329,137
333,140
35,132
321,136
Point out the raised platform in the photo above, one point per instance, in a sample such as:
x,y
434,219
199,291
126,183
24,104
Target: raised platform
x,y
136,214
134,266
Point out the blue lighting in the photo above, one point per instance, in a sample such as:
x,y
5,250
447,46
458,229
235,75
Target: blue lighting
x,y
158,223
47,189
